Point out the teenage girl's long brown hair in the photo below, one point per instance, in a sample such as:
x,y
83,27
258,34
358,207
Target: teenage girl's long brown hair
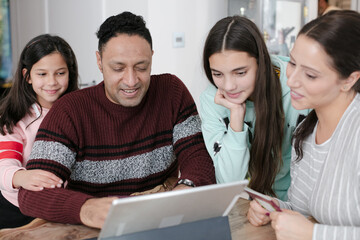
x,y
240,34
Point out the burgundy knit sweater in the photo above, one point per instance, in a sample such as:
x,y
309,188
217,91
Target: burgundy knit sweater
x,y
104,149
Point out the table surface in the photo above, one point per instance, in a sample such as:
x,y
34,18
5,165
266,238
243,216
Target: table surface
x,y
41,229
241,228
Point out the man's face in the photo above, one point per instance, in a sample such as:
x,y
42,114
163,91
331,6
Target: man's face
x,y
125,63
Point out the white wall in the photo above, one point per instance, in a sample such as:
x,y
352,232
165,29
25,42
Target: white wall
x,y
78,20
355,5
75,21
25,24
194,19
114,7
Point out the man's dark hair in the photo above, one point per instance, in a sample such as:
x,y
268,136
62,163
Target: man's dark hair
x,y
123,23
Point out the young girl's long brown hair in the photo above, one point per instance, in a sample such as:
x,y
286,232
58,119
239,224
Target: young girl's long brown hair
x,y
240,34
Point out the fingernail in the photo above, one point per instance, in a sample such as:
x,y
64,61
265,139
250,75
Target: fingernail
x,y
267,214
59,185
61,181
52,186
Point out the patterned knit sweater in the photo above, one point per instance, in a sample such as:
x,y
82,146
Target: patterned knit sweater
x,y
104,149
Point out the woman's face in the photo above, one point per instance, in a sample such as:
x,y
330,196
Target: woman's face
x,y
313,82
234,74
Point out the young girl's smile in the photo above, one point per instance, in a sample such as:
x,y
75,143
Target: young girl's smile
x,y
49,78
234,74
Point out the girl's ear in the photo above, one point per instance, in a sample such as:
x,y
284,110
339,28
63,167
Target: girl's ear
x,y
351,80
24,71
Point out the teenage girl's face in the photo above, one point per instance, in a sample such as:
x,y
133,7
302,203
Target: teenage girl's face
x,y
49,78
234,74
313,82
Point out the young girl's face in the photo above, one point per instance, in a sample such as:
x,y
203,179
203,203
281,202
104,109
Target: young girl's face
x,y
234,74
49,78
312,80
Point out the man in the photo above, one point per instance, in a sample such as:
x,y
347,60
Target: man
x,y
324,7
127,134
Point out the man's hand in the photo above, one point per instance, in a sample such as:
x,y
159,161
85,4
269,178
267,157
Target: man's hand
x,y
35,180
291,225
181,186
94,211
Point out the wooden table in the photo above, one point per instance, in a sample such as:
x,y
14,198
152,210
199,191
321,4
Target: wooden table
x,y
241,228
41,229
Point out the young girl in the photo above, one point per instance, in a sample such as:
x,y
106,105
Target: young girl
x,y
247,117
47,70
324,74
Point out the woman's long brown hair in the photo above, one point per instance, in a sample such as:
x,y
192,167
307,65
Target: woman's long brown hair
x,y
338,32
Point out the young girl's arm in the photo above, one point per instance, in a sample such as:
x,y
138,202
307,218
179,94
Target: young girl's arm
x,y
12,172
35,180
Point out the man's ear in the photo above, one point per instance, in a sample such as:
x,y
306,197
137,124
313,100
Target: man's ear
x,y
351,81
98,60
24,71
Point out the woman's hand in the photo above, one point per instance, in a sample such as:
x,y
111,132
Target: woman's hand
x,y
291,225
237,111
257,215
35,180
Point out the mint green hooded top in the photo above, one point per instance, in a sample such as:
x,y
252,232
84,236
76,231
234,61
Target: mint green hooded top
x,y
231,160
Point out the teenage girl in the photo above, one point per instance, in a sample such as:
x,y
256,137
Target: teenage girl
x,y
247,117
47,70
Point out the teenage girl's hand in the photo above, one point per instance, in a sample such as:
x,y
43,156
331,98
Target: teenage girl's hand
x,y
237,111
291,225
257,215
35,180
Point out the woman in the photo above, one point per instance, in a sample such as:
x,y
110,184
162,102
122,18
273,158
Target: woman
x,y
324,73
247,117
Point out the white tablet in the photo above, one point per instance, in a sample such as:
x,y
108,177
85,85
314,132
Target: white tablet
x,y
159,210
